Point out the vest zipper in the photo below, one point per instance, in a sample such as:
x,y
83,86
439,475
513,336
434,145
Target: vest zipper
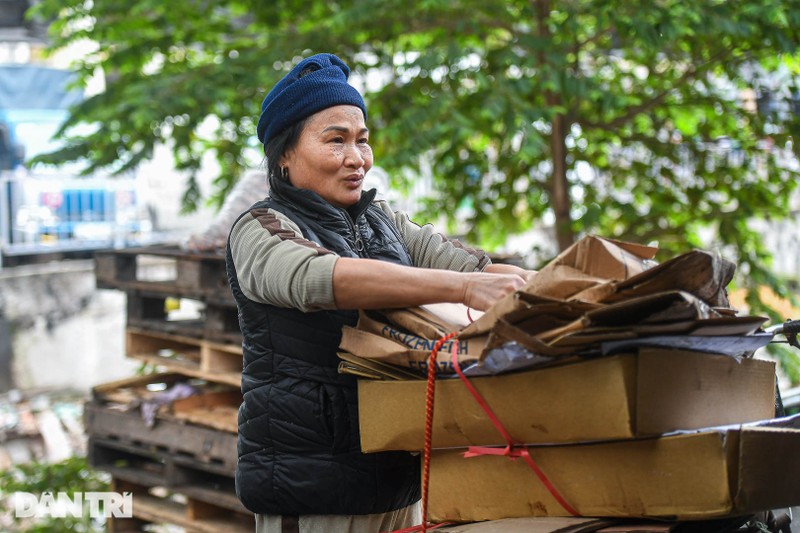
x,y
359,242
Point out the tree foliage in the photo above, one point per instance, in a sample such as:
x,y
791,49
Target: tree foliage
x,y
71,477
625,119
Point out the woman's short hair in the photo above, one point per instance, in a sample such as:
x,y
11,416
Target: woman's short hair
x,y
279,145
285,140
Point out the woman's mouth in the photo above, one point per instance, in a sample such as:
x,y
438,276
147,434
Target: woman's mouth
x,y
354,181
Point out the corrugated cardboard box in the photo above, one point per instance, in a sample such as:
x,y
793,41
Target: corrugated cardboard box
x,y
653,392
539,524
562,524
708,474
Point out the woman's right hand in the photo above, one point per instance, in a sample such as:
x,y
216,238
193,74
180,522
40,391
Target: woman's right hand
x,y
372,284
483,289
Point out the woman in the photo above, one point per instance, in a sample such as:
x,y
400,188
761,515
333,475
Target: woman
x,y
300,263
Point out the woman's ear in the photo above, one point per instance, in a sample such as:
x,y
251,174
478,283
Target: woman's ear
x,y
286,158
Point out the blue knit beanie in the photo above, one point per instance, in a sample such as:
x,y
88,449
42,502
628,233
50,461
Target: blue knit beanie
x,y
294,98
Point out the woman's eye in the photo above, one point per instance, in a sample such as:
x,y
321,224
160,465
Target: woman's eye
x,y
363,141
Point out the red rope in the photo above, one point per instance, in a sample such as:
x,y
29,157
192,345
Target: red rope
x,y
512,449
485,406
429,400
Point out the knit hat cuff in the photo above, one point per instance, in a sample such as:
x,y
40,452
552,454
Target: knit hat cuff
x,y
292,99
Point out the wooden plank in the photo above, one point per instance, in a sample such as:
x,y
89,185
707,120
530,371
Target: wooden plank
x,y
226,378
189,274
201,444
143,307
194,328
219,410
156,510
135,381
219,323
170,288
223,418
224,497
118,268
124,525
157,466
163,250
133,389
154,506
215,357
222,324
175,348
208,400
137,466
203,488
199,358
111,269
194,274
198,510
212,408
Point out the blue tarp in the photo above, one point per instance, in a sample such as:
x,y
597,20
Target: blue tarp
x,y
33,104
36,87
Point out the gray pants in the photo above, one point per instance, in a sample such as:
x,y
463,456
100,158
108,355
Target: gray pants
x,y
371,523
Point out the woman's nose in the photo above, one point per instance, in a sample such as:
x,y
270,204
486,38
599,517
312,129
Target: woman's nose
x,y
353,156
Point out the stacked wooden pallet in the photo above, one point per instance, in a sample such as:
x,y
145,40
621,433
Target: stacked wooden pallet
x,y
168,436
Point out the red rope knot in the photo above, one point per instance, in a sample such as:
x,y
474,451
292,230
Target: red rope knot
x,y
513,449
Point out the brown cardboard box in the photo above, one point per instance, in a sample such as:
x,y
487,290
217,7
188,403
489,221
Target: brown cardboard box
x,y
614,397
539,524
562,524
708,474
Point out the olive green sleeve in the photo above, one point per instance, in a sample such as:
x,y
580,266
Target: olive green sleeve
x,y
276,265
430,249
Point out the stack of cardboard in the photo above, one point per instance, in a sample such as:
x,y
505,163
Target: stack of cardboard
x,y
635,394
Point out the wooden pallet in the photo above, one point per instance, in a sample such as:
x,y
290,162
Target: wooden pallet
x,y
194,274
152,466
199,358
196,509
218,410
217,322
215,405
193,278
197,446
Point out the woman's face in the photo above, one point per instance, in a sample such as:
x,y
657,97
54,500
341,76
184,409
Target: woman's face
x,y
332,155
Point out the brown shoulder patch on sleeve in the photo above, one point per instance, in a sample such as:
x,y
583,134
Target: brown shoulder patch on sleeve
x,y
282,227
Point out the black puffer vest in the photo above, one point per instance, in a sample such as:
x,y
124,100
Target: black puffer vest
x,y
299,450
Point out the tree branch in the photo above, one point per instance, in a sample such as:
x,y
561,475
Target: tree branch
x,y
636,110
